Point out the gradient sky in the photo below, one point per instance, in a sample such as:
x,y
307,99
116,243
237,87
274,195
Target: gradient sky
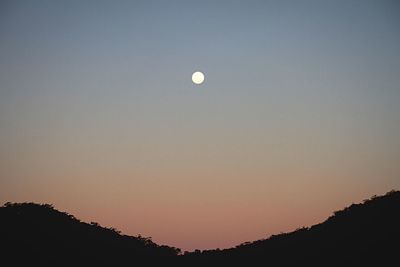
x,y
299,114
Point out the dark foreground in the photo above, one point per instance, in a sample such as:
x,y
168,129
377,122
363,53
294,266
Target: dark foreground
x,y
366,234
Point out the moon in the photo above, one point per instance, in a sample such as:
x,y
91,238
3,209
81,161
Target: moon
x,y
198,77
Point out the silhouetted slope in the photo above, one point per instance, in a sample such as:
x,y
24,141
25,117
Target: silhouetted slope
x,y
38,235
365,234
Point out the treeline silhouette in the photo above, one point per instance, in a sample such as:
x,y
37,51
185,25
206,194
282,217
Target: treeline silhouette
x,y
38,235
366,234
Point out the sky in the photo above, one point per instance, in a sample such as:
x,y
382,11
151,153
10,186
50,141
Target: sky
x,y
298,115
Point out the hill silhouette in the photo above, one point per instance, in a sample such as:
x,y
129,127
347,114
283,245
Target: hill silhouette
x,y
366,234
38,235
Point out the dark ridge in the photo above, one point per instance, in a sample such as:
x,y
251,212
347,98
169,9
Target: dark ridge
x,y
366,234
38,235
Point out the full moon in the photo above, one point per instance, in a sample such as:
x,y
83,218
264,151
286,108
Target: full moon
x,y
198,77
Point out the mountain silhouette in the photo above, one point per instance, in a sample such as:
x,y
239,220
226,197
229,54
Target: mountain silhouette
x,y
38,235
366,234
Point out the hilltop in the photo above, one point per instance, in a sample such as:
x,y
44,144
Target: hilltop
x,y
39,235
365,234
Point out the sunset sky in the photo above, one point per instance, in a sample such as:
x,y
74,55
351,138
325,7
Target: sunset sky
x,y
298,116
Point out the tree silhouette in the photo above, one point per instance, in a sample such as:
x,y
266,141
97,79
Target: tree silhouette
x,y
364,234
